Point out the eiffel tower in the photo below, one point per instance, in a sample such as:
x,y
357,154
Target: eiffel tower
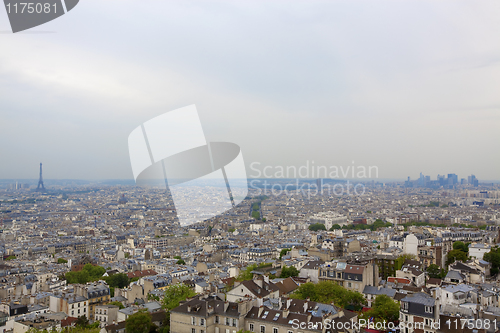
x,y
40,187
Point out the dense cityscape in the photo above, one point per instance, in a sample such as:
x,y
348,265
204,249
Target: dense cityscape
x,y
99,256
249,166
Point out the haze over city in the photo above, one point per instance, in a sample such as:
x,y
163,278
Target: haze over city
x,y
249,167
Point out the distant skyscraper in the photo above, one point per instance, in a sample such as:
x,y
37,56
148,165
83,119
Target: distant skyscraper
x,y
319,184
473,180
421,180
452,179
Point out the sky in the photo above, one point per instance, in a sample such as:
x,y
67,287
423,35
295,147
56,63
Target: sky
x,y
406,86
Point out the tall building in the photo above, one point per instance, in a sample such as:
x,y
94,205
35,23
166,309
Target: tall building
x,y
473,181
452,179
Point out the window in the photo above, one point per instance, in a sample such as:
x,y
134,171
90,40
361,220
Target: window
x,y
202,322
428,309
193,330
262,329
251,327
216,330
349,285
193,320
216,319
290,331
201,331
405,305
78,311
227,322
234,322
84,309
426,323
275,330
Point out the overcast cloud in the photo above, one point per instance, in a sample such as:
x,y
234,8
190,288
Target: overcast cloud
x,y
408,86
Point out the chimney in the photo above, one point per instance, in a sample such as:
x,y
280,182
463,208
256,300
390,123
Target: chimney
x,y
261,308
306,306
285,313
243,307
226,305
266,278
259,281
189,308
288,302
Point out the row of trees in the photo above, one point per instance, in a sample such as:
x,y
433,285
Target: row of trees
x,y
89,273
327,292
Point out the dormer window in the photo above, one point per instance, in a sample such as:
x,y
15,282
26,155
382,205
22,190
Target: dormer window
x,y
428,309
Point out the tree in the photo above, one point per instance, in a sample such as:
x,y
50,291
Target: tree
x,y
317,226
180,262
455,255
118,304
87,274
384,309
306,290
493,257
172,298
247,274
461,246
175,294
82,321
284,252
119,280
139,322
434,271
289,271
335,227
329,291
62,261
399,262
